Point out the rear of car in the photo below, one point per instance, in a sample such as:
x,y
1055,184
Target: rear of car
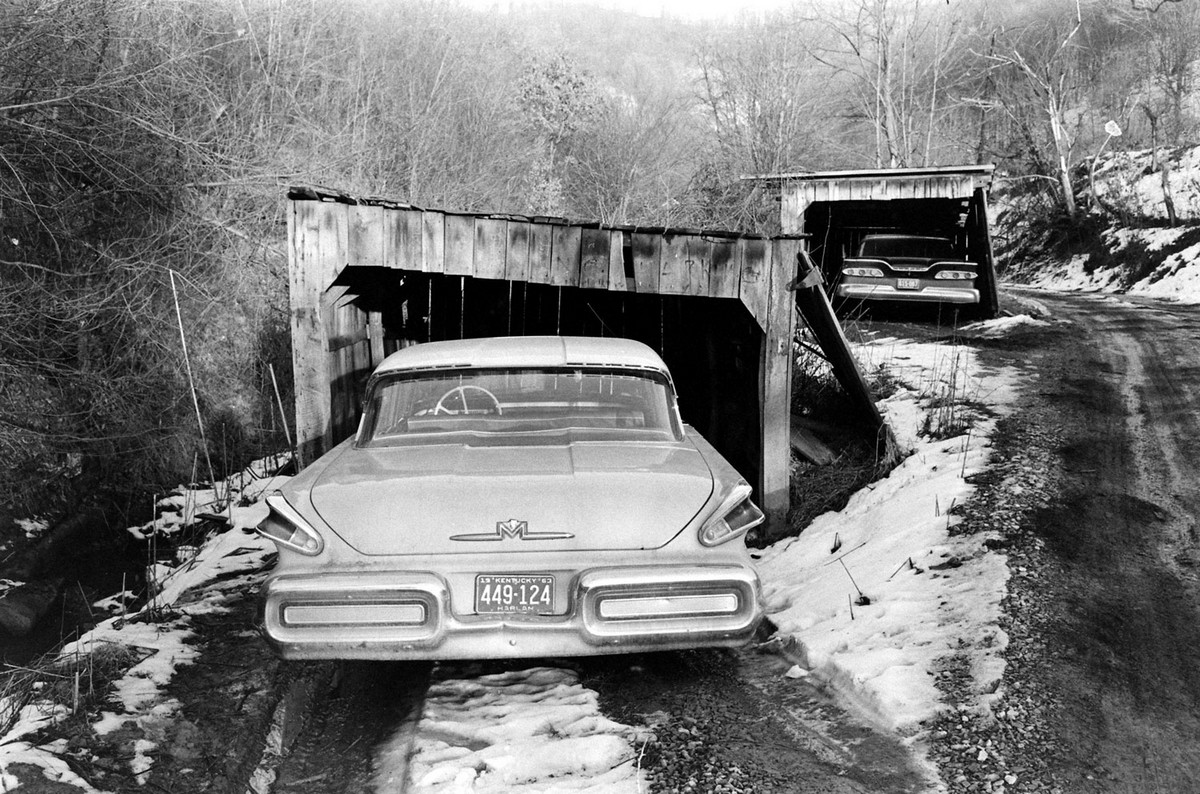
x,y
899,267
510,498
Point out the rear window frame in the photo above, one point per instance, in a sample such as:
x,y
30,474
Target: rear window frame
x,y
364,437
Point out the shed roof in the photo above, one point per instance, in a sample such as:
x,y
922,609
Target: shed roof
x,y
981,172
316,193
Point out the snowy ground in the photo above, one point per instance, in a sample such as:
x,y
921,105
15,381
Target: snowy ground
x,y
1133,184
874,595
1175,278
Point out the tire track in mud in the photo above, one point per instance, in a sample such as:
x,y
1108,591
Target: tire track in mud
x,y
1124,390
366,705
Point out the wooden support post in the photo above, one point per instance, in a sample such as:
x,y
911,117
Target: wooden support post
x,y
776,383
989,294
320,243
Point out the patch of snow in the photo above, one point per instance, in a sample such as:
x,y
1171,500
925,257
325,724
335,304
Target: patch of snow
x,y
533,730
53,767
160,633
1177,278
34,528
1074,276
901,593
1003,326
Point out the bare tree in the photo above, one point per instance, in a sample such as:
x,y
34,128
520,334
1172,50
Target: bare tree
x,y
1041,67
901,59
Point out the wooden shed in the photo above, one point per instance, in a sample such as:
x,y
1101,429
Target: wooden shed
x,y
369,276
835,209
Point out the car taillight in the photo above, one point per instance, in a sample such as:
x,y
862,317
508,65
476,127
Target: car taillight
x,y
955,275
736,516
863,272
289,529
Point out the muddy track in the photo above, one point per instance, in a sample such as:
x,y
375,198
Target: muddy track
x,y
731,721
1122,390
366,705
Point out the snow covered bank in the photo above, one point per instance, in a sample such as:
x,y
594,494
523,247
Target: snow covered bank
x,y
158,636
1127,244
877,594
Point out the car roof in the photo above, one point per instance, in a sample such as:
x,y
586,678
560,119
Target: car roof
x,y
524,351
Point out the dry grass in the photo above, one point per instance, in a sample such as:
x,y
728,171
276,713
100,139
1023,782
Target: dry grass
x,y
79,682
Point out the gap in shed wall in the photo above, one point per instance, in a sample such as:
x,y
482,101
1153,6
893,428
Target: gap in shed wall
x,y
837,227
711,345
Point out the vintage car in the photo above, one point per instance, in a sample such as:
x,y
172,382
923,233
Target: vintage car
x,y
513,497
905,267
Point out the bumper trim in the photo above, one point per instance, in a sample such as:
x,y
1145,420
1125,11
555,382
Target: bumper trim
x,y
924,295
612,610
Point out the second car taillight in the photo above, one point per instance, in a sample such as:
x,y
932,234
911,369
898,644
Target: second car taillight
x,y
863,272
736,516
288,528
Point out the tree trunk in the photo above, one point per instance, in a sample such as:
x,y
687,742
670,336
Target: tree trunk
x,y
1166,186
1062,146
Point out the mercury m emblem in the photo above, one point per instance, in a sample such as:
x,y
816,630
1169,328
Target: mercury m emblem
x,y
512,529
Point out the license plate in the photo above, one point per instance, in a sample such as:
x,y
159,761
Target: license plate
x,y
908,283
506,594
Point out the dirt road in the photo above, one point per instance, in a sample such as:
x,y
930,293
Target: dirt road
x,y
1108,631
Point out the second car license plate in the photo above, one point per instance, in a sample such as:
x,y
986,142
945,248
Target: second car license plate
x,y
908,283
514,593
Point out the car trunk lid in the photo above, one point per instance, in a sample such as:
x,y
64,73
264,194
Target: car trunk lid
x,y
446,499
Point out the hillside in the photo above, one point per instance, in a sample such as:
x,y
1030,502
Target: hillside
x,y
1126,243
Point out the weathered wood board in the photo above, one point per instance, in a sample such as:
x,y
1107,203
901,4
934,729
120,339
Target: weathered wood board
x,y
336,342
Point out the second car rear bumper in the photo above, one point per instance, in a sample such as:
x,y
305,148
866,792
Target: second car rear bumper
x,y
924,295
409,615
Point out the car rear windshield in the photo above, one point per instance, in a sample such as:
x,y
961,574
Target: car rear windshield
x,y
588,403
917,247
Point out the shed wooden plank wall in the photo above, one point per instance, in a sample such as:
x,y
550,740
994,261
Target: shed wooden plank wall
x,y
799,194
335,343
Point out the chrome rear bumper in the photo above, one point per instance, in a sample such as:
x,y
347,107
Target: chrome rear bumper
x,y
410,615
925,295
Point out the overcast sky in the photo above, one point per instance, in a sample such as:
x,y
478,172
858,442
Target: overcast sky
x,y
683,9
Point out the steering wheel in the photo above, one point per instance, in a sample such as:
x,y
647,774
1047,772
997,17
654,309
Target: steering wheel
x,y
461,391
